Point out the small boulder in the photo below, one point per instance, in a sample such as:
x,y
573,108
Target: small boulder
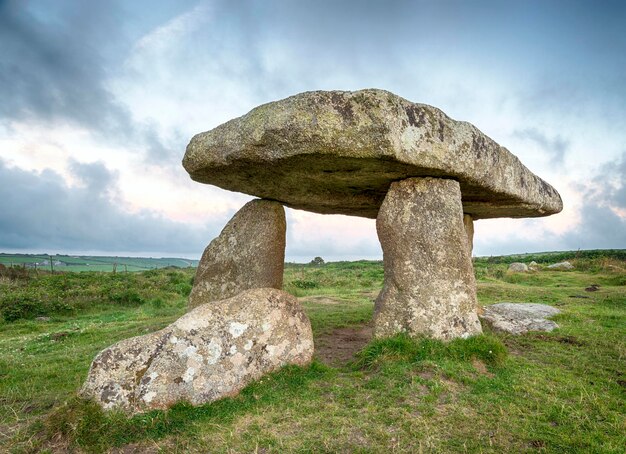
x,y
517,267
519,318
211,352
533,266
561,266
248,253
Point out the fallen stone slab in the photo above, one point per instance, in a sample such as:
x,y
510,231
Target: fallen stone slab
x,y
518,267
519,318
211,352
429,287
339,151
561,266
248,253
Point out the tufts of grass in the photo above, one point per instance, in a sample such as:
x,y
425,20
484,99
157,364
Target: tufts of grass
x,y
82,423
403,348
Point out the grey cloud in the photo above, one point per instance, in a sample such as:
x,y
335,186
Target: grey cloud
x,y
41,211
56,70
600,226
557,147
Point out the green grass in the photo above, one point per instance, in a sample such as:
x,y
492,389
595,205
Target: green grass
x,y
563,391
94,263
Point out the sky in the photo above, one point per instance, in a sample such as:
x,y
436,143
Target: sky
x,y
98,101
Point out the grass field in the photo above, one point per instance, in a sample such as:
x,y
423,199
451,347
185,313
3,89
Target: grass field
x,y
92,263
559,392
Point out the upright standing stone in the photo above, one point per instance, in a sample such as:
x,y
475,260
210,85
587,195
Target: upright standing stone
x,y
468,223
249,253
429,287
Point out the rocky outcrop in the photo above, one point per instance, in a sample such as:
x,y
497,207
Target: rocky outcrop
x,y
518,267
429,287
249,253
211,352
339,151
561,266
519,318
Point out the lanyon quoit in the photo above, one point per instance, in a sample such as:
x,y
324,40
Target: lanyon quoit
x,y
424,177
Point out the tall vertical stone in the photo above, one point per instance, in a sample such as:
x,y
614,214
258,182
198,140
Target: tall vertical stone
x,y
468,223
429,287
248,253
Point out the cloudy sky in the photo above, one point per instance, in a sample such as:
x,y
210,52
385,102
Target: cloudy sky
x,y
98,101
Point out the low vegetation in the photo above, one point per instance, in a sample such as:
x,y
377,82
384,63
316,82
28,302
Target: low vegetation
x,y
563,391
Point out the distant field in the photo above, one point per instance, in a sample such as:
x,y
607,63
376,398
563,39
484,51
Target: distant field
x,y
558,392
93,263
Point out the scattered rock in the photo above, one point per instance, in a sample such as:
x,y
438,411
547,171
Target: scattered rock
x,y
534,266
248,253
339,151
42,319
519,318
580,296
592,288
561,266
209,353
517,267
429,287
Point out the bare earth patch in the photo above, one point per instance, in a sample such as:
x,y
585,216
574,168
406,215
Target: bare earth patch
x,y
338,347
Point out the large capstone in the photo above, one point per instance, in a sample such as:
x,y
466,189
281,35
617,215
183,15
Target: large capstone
x,y
339,151
249,253
211,352
429,287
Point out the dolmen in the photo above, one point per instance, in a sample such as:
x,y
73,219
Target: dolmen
x,y
423,176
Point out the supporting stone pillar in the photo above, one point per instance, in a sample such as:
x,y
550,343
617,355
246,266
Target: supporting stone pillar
x,y
248,253
468,223
429,286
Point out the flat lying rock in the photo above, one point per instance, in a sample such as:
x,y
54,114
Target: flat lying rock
x,y
209,353
248,253
517,267
519,318
561,266
339,151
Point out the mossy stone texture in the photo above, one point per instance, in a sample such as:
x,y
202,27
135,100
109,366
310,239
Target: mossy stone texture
x,y
211,352
429,287
248,253
339,151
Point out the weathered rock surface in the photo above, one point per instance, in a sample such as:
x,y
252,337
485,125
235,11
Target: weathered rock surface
x,y
209,353
468,223
429,287
517,267
249,253
519,318
561,266
339,151
533,266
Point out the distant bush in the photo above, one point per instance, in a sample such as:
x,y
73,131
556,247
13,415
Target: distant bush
x,y
46,294
302,284
317,261
14,273
20,306
127,297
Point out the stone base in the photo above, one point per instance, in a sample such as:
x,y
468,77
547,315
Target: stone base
x,y
429,288
212,352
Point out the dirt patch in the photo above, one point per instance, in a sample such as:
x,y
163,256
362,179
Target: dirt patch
x,y
339,346
481,368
